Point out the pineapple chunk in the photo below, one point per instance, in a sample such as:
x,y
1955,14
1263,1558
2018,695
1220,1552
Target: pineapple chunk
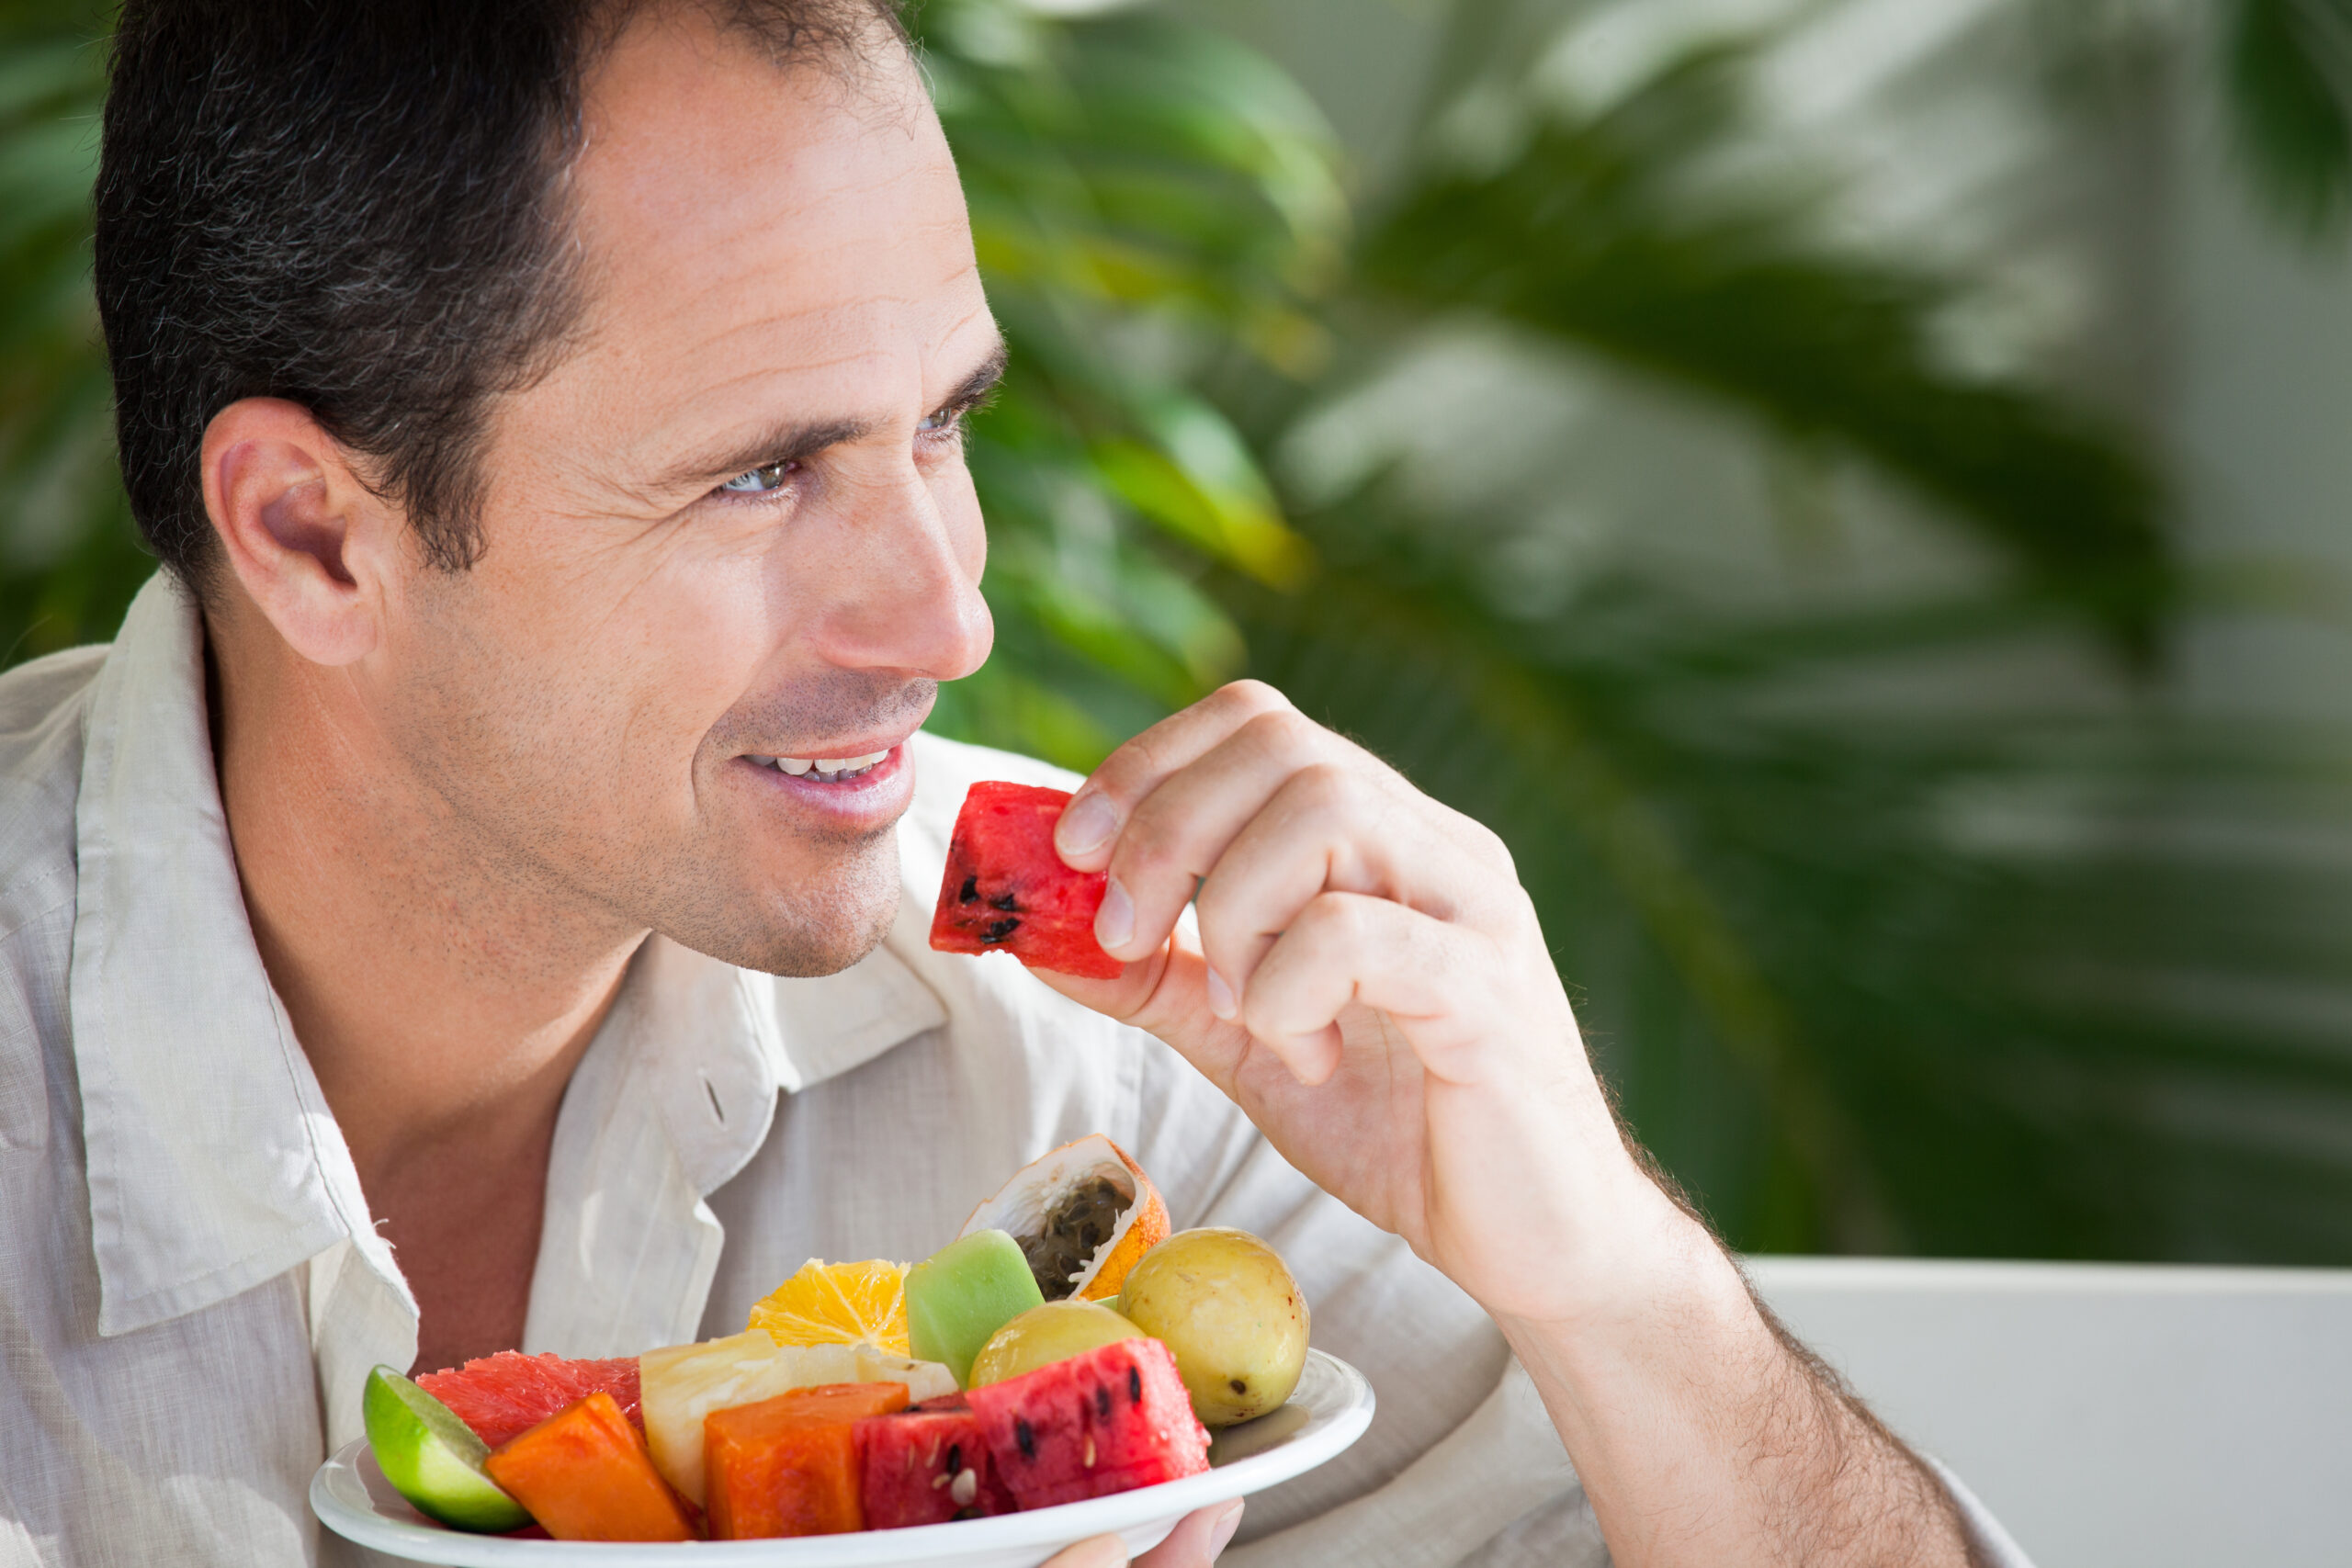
x,y
686,1382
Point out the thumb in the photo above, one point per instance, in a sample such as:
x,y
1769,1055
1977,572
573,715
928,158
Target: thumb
x,y
1197,1539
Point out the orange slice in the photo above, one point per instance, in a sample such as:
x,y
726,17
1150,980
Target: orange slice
x,y
839,1304
1051,1192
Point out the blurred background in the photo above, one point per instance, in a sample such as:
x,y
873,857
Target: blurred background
x,y
1854,490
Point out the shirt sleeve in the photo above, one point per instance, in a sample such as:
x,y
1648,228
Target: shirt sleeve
x,y
1462,1465
1497,1488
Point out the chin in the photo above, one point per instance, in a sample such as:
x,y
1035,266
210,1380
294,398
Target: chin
x,y
820,926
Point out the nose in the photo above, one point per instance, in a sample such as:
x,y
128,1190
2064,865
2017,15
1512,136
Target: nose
x,y
899,568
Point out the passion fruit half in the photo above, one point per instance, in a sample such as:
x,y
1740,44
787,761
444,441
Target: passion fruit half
x,y
1082,1216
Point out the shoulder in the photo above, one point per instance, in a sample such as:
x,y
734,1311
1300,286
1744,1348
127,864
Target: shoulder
x,y
41,707
40,778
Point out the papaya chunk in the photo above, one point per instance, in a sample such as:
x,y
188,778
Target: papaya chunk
x,y
584,1474
788,1465
1006,891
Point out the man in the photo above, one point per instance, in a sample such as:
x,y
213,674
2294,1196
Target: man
x,y
478,900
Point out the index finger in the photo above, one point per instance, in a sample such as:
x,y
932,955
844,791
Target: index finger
x,y
1091,822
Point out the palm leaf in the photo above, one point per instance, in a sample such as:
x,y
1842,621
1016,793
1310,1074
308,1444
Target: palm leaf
x,y
69,559
2286,71
2004,983
1141,192
1588,233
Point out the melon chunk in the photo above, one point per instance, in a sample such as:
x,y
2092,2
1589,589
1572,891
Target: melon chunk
x,y
501,1395
683,1384
788,1465
1110,1420
585,1475
1006,891
927,1466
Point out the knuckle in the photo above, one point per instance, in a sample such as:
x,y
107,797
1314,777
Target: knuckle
x,y
1251,697
1334,919
1284,734
1141,757
1328,789
1491,848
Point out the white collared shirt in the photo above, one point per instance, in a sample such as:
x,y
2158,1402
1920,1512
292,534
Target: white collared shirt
x,y
192,1291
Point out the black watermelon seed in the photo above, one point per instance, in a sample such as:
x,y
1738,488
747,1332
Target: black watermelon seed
x,y
971,893
1134,1386
954,1458
1004,901
1025,1437
998,930
1238,1386
1101,1402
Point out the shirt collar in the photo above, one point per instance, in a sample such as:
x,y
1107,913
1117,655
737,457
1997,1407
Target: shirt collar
x,y
214,1162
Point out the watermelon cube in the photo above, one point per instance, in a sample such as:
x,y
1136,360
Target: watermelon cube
x,y
928,1465
1110,1420
1006,891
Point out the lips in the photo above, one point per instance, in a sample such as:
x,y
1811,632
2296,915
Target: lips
x,y
823,769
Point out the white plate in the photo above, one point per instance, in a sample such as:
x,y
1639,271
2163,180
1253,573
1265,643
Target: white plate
x,y
1329,1409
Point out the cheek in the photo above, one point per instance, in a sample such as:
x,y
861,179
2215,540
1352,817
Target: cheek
x,y
696,635
630,655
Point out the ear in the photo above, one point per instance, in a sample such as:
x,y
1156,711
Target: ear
x,y
304,537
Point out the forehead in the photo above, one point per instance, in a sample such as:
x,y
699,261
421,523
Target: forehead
x,y
760,239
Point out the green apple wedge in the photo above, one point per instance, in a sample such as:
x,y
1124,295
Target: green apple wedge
x,y
433,1458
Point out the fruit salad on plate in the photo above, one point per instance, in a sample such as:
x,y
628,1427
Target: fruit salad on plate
x,y
1065,1346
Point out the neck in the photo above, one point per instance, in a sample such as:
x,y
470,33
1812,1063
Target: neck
x,y
442,994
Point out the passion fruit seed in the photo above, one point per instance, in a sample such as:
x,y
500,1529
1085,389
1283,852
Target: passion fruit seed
x,y
1074,1230
1226,1304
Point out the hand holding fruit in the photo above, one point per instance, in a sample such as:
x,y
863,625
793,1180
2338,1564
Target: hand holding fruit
x,y
1369,983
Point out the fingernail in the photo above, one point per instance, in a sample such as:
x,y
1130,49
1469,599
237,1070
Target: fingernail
x,y
1220,996
1116,920
1086,826
1224,1530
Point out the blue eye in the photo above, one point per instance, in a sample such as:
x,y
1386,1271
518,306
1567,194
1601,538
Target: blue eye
x,y
763,481
935,425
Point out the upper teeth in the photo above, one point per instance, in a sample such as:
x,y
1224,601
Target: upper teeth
x,y
825,766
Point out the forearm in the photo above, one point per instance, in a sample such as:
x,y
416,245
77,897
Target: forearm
x,y
1705,1436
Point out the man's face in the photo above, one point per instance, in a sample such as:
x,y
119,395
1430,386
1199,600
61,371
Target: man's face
x,y
732,525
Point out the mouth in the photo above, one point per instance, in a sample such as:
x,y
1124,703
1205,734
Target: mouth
x,y
823,769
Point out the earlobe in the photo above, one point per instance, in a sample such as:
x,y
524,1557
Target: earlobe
x,y
295,524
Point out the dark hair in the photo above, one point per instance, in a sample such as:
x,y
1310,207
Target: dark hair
x,y
358,206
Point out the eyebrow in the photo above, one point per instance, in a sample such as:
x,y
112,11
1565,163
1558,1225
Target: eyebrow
x,y
799,440
980,386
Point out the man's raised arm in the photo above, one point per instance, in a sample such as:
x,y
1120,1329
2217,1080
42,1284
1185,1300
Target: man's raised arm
x,y
1371,985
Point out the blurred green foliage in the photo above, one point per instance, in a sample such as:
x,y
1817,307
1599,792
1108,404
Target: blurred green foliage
x,y
2290,65
1936,975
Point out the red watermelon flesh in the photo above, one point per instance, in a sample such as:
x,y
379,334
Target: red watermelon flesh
x,y
926,1466
505,1395
1006,891
1110,1420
